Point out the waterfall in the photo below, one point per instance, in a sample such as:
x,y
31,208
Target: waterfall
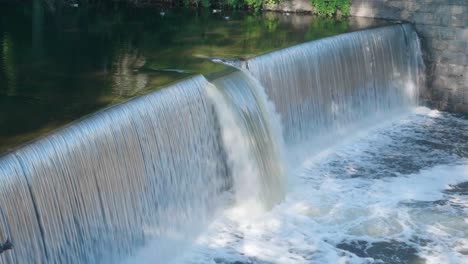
x,y
100,188
252,138
148,171
326,88
152,172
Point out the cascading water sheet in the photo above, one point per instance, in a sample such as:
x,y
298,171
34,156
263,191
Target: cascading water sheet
x,y
250,135
147,170
136,182
18,216
252,138
329,87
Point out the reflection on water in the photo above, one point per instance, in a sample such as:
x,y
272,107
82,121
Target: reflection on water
x,y
55,69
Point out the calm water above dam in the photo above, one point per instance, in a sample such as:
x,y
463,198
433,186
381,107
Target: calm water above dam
x,y
57,68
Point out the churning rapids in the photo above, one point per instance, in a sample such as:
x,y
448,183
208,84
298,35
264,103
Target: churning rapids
x,y
396,193
318,153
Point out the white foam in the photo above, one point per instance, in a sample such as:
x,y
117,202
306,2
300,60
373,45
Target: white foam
x,y
328,204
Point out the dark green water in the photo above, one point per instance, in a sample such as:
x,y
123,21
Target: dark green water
x,y
56,68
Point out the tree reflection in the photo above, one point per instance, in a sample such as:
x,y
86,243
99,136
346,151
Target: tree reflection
x,y
9,65
58,66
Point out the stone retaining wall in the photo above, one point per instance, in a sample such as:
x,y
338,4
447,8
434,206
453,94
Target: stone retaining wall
x,y
443,28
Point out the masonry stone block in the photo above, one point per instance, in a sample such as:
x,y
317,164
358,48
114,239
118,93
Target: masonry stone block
x,y
443,28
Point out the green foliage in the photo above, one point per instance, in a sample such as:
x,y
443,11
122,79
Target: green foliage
x,y
255,4
327,8
331,7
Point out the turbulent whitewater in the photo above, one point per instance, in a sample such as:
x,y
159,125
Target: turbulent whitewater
x,y
396,193
312,154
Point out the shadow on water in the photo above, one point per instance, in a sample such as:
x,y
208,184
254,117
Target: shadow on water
x,y
57,68
460,189
390,252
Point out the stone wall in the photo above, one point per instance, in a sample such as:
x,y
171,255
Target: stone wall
x,y
443,28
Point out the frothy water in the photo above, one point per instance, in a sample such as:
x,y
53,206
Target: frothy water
x,y
356,202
